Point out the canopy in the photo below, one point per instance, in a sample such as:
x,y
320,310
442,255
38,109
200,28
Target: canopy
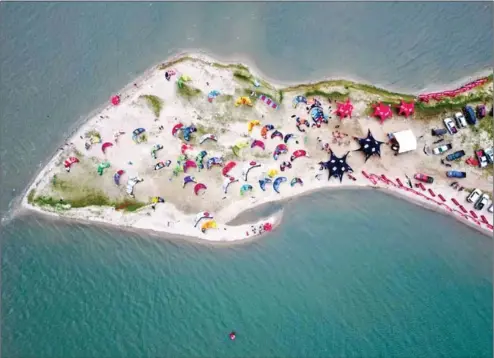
x,y
382,111
406,109
344,109
369,146
405,140
336,167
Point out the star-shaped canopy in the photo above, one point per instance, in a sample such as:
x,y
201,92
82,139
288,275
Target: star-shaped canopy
x,y
382,111
369,145
344,109
337,167
406,109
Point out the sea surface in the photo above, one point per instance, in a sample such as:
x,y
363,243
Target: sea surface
x,y
347,274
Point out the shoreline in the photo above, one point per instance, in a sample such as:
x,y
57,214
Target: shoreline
x,y
229,212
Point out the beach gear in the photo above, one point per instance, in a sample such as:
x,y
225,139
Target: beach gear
x,y
269,102
227,182
277,182
105,146
248,167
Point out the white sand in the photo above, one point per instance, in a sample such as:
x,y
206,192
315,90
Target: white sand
x,y
229,124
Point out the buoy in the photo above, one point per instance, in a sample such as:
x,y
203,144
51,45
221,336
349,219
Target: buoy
x,y
232,336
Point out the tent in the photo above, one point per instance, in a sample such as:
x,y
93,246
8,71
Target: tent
x,y
405,141
344,109
382,111
337,167
406,109
369,145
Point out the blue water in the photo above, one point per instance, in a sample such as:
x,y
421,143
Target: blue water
x,y
348,274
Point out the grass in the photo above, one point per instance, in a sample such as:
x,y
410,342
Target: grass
x,y
92,198
188,91
244,76
450,105
334,95
154,102
349,85
30,196
487,125
92,133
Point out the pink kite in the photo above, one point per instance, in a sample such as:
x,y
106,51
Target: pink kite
x,y
189,164
115,100
185,147
382,111
176,128
344,109
71,160
106,145
406,109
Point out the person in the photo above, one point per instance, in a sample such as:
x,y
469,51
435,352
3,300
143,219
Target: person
x,y
153,207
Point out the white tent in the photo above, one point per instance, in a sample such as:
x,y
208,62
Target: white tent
x,y
406,141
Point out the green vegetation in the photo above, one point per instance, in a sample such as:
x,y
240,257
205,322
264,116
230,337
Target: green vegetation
x,y
188,91
93,133
334,95
280,96
244,76
86,198
154,102
423,109
487,125
30,196
349,85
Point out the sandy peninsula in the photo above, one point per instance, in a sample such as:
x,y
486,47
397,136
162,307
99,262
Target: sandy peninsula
x,y
195,142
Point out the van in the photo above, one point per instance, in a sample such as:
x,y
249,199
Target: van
x,y
470,115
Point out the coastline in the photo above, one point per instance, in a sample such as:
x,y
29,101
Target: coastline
x,y
228,212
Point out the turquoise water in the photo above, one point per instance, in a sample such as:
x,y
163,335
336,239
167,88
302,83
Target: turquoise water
x,y
347,274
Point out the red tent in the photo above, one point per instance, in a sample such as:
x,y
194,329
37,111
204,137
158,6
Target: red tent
x,y
382,111
406,109
344,109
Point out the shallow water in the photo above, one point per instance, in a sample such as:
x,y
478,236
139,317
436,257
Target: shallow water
x,y
347,274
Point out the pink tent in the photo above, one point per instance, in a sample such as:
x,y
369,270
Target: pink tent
x,y
406,109
382,111
344,109
115,100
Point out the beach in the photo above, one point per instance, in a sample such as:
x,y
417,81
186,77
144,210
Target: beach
x,y
202,93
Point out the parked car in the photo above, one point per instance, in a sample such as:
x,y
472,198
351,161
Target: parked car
x,y
474,196
481,202
481,111
438,132
481,158
470,115
443,148
424,178
489,153
491,208
450,126
461,122
456,155
456,174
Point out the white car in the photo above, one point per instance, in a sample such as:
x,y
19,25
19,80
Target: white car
x,y
441,149
483,201
491,209
489,153
474,196
460,120
450,126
